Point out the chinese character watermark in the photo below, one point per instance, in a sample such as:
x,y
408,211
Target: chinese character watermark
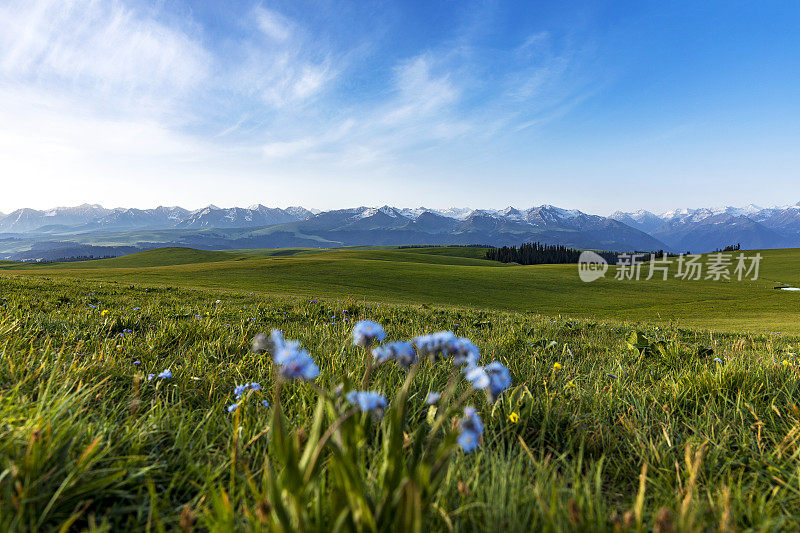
x,y
718,266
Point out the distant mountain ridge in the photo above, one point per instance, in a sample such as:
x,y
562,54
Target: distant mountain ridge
x,y
704,229
25,232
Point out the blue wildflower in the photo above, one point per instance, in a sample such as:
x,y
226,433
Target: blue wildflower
x,y
293,363
298,365
255,386
367,331
718,360
470,430
166,374
477,376
232,407
468,440
238,390
150,377
367,401
137,363
265,403
437,343
464,352
432,398
499,379
401,351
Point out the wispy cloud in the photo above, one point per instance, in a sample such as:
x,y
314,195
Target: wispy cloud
x,y
87,84
418,110
273,24
283,63
102,49
442,96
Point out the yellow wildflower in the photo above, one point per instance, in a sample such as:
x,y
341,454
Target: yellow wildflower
x,y
513,418
556,366
104,312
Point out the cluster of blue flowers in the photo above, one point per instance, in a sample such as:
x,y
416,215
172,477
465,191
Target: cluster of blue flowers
x,y
238,390
494,378
401,351
446,344
366,332
166,374
435,344
293,362
367,401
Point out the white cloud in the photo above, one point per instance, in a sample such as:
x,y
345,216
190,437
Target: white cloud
x,y
419,92
287,66
309,80
286,81
92,90
421,110
274,25
309,145
100,47
280,149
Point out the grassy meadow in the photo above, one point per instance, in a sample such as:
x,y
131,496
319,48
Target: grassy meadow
x,y
457,276
635,406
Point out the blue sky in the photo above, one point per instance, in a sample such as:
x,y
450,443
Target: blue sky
x,y
591,105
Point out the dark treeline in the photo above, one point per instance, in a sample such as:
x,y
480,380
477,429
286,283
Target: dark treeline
x,y
535,253
730,248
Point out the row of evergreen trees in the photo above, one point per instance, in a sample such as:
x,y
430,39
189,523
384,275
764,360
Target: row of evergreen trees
x,y
536,253
730,248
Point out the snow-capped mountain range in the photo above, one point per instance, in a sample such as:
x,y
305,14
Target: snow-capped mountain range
x,y
88,217
698,229
258,226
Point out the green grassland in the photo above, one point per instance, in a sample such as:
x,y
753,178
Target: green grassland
x,y
456,276
616,439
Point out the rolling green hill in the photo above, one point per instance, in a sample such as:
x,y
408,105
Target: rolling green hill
x,y
151,258
456,277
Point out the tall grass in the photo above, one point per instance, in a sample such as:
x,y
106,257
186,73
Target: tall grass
x,y
629,433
